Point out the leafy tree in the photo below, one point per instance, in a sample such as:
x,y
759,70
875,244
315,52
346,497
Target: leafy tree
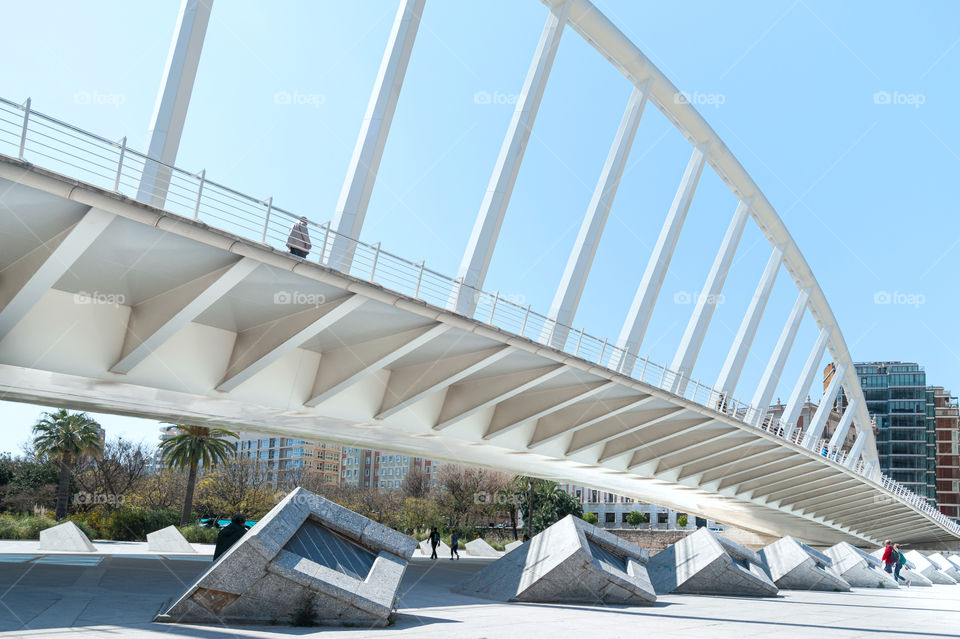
x,y
115,474
546,500
416,484
192,447
682,521
65,437
635,518
237,486
591,518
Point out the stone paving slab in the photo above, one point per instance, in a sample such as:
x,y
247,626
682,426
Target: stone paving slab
x,y
118,597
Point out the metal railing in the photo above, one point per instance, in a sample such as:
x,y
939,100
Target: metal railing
x,y
45,141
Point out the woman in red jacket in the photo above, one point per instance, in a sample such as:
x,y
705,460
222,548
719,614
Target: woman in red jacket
x,y
888,556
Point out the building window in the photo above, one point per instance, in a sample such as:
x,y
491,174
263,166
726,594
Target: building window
x,y
610,518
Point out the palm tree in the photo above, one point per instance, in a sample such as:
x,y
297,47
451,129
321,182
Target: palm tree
x,y
65,437
192,447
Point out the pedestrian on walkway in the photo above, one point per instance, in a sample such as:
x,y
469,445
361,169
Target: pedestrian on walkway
x,y
299,239
434,542
454,545
230,534
901,562
888,558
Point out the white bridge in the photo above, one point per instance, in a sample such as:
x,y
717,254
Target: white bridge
x,y
130,286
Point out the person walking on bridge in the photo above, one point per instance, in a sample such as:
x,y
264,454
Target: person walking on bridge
x,y
299,239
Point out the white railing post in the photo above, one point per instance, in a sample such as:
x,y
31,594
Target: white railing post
x,y
576,351
416,291
266,219
196,209
376,257
23,134
526,316
603,350
493,307
323,249
123,152
644,369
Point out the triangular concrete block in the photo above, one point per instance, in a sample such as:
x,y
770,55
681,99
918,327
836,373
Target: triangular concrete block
x,y
705,563
67,537
443,550
858,568
168,539
793,565
946,565
908,571
308,558
513,545
569,562
923,565
480,548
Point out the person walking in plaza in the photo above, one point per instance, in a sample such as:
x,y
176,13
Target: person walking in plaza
x,y
230,534
434,542
901,562
454,545
887,558
299,239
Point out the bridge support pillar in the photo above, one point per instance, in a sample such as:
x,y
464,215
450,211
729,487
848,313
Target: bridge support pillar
x,y
771,375
170,112
574,279
737,357
819,421
802,387
483,239
706,300
355,196
631,335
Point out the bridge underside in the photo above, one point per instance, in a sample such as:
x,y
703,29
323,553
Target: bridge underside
x,y
110,305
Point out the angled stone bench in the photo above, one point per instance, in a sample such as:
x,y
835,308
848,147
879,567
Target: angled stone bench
x,y
929,569
793,565
858,568
705,563
308,560
569,562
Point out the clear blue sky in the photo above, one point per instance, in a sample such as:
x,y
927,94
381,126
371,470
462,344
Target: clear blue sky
x,y
866,189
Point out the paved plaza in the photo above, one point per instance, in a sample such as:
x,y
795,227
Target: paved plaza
x,y
116,596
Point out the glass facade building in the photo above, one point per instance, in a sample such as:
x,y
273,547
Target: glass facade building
x,y
898,398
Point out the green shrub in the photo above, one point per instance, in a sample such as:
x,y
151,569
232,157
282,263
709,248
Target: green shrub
x,y
591,518
29,526
133,524
682,521
635,517
197,534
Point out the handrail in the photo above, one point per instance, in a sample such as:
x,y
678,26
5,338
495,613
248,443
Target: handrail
x,y
60,146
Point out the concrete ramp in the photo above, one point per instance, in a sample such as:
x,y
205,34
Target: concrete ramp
x,y
168,539
308,560
793,565
480,548
705,563
929,569
945,565
858,568
67,537
569,562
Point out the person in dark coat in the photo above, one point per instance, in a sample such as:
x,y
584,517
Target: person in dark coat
x,y
434,542
230,534
299,239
